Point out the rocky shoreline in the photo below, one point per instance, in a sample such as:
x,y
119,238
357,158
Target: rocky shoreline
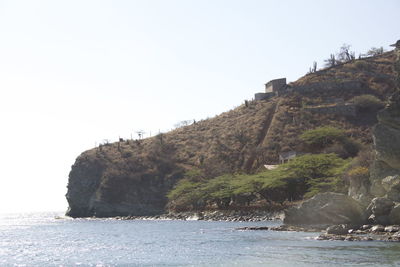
x,y
229,216
342,232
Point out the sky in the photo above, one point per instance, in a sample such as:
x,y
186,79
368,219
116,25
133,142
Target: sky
x,y
74,73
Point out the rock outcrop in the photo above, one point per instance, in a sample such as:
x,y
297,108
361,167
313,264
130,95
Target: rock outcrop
x,y
379,210
386,169
107,184
385,172
327,209
383,186
394,216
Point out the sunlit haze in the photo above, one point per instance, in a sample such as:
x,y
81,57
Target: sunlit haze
x,y
73,73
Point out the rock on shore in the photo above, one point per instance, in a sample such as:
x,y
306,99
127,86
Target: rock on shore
x,y
326,208
217,215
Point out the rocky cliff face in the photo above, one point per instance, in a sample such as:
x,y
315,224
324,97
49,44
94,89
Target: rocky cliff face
x,y
378,199
112,181
380,195
387,148
384,180
385,174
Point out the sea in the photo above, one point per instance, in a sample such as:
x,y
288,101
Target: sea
x,y
51,239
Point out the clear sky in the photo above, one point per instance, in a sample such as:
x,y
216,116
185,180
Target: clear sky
x,y
73,73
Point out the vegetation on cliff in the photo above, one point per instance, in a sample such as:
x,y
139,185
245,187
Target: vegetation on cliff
x,y
304,176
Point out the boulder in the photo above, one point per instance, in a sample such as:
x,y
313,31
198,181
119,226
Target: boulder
x,y
378,172
366,227
378,228
394,216
379,210
340,229
392,186
387,145
382,219
359,189
392,228
326,208
391,182
381,206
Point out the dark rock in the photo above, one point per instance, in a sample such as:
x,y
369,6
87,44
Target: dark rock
x,y
351,238
84,180
253,228
340,229
331,237
326,208
378,172
295,228
383,219
381,206
387,144
394,216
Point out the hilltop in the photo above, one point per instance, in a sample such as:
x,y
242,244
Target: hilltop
x,y
133,177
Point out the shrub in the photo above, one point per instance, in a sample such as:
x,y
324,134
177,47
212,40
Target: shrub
x,y
351,146
314,166
330,140
362,65
367,103
322,136
375,51
304,176
359,172
185,196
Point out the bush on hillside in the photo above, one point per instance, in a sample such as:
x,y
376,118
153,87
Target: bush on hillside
x,y
304,176
185,196
367,103
375,51
362,65
322,136
320,173
330,140
358,169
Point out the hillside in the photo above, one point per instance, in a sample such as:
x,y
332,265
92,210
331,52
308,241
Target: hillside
x,y
133,177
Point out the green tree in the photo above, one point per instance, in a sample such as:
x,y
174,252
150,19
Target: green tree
x,y
322,136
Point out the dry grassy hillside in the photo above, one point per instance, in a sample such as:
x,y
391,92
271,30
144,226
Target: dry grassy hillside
x,y
136,175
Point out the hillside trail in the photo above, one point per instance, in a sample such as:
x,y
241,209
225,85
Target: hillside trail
x,y
261,137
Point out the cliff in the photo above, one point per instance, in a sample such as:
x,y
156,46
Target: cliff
x,y
132,177
375,196
383,186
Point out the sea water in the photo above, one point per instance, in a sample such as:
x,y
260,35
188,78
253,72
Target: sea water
x,y
48,239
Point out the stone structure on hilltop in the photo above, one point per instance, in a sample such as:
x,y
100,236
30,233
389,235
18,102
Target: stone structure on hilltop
x,y
275,85
272,88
